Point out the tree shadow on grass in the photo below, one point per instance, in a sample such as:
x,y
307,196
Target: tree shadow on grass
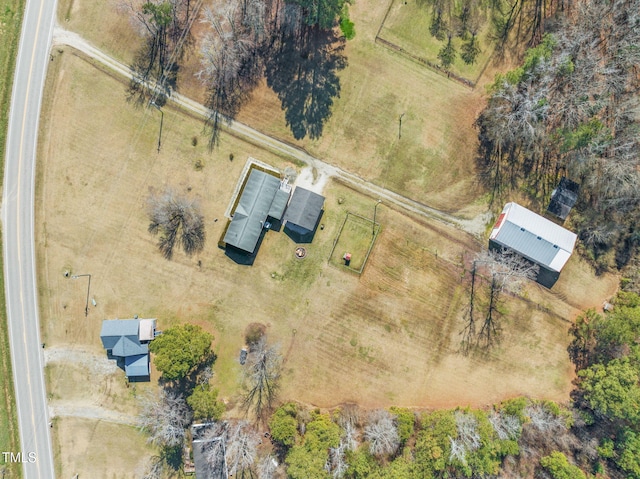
x,y
302,70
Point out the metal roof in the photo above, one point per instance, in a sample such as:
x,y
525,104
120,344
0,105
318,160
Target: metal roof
x,y
252,210
202,443
114,329
146,331
304,208
533,236
128,346
121,336
137,366
279,203
563,198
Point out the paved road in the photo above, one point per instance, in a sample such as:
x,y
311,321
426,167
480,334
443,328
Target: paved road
x,y
19,240
474,226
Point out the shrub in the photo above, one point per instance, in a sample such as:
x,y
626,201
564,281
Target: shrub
x,y
559,467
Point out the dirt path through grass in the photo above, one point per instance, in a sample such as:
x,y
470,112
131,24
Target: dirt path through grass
x,y
82,411
474,226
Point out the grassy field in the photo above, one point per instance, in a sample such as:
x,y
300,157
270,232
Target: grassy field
x,y
407,304
10,21
407,26
9,433
99,450
433,161
388,336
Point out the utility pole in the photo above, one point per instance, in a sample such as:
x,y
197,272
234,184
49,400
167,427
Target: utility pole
x,y
153,103
86,308
400,126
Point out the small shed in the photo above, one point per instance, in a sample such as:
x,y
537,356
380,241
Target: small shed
x,y
304,211
535,238
563,198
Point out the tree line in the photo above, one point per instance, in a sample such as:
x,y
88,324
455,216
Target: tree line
x,y
606,352
571,110
291,44
597,434
521,20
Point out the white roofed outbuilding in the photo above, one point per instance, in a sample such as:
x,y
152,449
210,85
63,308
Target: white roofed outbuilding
x,y
535,238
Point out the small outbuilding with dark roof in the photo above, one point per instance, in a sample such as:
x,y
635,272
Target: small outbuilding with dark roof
x,y
563,198
208,452
304,211
535,238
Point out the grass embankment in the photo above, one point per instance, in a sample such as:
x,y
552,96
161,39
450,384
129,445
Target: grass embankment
x,y
10,21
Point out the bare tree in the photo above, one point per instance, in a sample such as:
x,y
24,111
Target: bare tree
x,y
543,420
267,467
469,330
350,437
231,64
350,414
262,377
164,26
214,448
176,219
336,463
506,271
156,468
468,438
165,418
242,442
505,425
382,433
230,448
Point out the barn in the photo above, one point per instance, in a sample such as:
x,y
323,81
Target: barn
x,y
535,238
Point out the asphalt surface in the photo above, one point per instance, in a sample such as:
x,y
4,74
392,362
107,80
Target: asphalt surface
x,y
19,240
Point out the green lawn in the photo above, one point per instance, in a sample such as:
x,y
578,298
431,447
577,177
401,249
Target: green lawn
x,y
407,26
356,237
10,21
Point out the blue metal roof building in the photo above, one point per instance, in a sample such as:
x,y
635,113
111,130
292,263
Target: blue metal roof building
x,y
122,338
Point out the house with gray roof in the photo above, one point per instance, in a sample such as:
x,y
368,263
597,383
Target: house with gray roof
x,y
304,211
535,238
127,340
263,196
